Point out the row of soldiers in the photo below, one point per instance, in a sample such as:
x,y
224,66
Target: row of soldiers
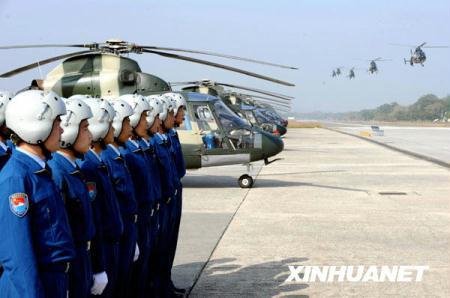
x,y
90,195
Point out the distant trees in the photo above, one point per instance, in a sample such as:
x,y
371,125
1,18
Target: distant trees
x,y
427,108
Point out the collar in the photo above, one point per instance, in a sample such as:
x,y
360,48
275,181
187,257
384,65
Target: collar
x,y
36,158
134,143
114,149
147,143
162,136
96,155
3,146
68,159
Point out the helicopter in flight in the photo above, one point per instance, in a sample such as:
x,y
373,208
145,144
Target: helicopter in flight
x,y
418,55
336,72
216,136
373,67
237,101
351,73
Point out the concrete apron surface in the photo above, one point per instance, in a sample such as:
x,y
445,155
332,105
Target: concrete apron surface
x,y
333,200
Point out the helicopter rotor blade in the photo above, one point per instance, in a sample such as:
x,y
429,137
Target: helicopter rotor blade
x,y
402,45
424,43
40,63
269,93
435,47
217,65
265,98
217,55
47,46
272,104
210,82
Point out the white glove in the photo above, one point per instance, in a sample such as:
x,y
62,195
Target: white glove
x,y
100,282
136,253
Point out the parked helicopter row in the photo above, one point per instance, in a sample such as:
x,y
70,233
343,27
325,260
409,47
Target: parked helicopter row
x,y
417,56
222,127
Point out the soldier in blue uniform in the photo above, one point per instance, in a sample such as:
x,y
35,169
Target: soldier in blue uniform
x,y
179,105
153,123
5,151
99,184
124,189
137,164
169,185
36,244
79,202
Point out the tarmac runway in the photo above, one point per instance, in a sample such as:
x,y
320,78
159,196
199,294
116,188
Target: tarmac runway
x,y
433,142
333,200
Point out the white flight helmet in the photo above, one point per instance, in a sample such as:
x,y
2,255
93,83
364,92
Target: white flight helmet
x,y
167,104
139,105
77,111
31,114
103,115
5,97
156,108
179,102
123,110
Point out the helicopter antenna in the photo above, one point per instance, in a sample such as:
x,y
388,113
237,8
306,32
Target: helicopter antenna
x,y
40,71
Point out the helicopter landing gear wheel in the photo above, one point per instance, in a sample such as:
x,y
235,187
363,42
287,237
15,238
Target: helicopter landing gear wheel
x,y
245,181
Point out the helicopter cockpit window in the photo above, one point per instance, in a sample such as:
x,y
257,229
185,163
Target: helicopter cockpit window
x,y
207,125
237,130
205,118
251,118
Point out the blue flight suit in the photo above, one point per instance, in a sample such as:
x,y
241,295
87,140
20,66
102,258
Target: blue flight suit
x,y
153,169
124,189
36,243
78,202
110,222
4,156
169,185
181,172
137,164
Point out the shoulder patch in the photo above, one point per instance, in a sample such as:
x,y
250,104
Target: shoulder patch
x,y
18,203
92,188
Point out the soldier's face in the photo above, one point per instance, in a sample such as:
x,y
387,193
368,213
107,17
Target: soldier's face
x,y
53,141
156,125
127,130
180,116
141,128
170,121
109,138
84,139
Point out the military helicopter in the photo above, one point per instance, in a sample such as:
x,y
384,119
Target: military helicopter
x,y
351,73
418,55
256,113
235,100
217,136
373,68
336,72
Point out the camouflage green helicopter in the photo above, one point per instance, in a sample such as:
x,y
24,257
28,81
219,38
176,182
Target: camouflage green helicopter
x,y
245,105
213,134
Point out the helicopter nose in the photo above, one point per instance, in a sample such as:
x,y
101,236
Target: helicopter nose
x,y
271,145
281,130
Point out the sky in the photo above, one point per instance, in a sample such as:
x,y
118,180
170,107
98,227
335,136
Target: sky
x,y
315,36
